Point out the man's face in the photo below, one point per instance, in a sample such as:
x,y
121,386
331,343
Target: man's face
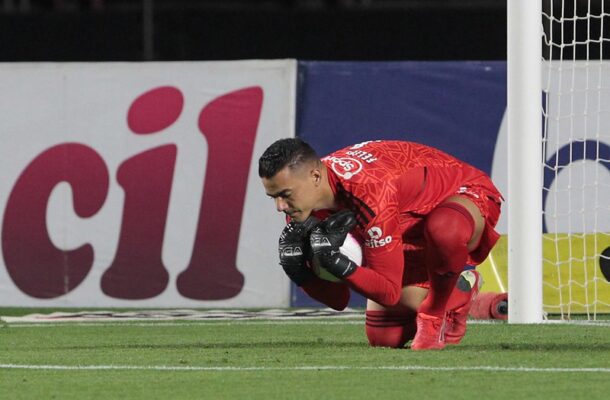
x,y
295,191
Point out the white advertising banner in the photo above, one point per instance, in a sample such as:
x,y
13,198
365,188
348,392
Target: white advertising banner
x,y
136,184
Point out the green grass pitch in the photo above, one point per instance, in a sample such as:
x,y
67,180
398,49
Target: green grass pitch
x,y
307,359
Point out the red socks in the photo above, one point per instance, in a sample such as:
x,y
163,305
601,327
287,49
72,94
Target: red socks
x,y
462,293
385,329
448,229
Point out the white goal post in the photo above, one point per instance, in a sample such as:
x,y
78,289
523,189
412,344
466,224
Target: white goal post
x,y
558,113
524,56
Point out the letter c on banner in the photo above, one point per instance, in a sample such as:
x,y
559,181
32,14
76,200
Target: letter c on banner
x,y
34,264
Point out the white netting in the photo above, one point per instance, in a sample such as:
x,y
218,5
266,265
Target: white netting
x,y
576,146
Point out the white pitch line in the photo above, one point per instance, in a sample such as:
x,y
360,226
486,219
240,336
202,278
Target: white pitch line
x,y
169,323
299,368
231,322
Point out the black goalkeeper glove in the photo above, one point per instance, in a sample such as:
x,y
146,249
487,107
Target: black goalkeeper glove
x,y
294,250
327,238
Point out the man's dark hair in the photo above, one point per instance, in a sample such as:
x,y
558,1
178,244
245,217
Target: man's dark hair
x,y
284,152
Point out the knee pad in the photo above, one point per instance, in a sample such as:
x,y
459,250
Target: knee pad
x,y
448,229
385,329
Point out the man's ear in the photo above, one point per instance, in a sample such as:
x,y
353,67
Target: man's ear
x,y
316,176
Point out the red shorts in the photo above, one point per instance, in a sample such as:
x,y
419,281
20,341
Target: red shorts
x,y
486,197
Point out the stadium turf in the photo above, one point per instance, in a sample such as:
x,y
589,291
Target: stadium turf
x,y
310,359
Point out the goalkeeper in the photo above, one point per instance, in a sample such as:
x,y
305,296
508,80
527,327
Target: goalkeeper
x,y
421,216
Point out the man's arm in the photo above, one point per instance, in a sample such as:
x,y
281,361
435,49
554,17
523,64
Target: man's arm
x,y
381,279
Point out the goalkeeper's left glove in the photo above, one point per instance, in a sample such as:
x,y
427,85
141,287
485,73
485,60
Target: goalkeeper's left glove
x,y
326,240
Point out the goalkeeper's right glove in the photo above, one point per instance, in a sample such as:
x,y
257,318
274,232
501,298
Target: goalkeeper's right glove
x,y
294,250
326,240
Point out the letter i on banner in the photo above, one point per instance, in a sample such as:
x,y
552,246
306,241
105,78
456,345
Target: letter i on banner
x,y
137,271
229,124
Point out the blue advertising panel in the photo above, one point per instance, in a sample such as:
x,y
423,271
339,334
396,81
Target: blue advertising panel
x,y
454,106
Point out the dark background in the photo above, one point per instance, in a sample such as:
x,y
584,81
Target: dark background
x,y
135,30
365,30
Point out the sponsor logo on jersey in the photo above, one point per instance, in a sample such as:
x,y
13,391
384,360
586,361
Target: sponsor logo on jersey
x,y
345,167
376,238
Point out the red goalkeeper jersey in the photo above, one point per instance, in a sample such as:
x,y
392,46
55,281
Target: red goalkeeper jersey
x,y
391,186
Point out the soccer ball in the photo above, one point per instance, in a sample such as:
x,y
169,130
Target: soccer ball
x,y
351,248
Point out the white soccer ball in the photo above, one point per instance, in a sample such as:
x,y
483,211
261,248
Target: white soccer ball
x,y
351,248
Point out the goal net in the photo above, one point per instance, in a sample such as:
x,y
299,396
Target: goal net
x,y
576,157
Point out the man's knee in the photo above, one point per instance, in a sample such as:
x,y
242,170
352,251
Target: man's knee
x,y
385,329
449,225
448,229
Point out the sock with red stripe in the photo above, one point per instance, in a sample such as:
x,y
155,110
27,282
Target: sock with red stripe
x,y
384,329
463,290
448,229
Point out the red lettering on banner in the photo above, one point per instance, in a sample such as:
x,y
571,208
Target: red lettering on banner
x,y
229,123
34,264
155,110
137,271
40,269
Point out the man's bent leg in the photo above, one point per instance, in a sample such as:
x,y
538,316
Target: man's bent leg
x,y
386,329
394,326
451,232
459,304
